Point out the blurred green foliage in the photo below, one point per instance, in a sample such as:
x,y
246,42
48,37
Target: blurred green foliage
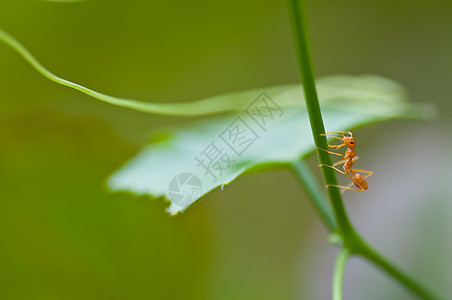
x,y
64,237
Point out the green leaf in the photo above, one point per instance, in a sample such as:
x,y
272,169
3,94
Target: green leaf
x,y
168,166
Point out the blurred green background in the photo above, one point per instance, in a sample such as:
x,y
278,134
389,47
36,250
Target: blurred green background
x,y
63,236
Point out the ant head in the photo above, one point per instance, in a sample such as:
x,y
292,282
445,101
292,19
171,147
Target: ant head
x,y
349,141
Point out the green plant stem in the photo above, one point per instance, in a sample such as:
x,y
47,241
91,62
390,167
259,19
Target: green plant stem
x,y
314,191
355,244
352,242
339,270
194,108
415,286
315,115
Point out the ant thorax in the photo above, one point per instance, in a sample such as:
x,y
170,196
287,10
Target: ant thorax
x,y
350,153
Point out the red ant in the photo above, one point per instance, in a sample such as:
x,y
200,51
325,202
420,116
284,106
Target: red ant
x,y
350,156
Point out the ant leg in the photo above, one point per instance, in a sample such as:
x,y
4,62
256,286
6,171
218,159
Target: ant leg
x,y
347,188
344,160
340,162
334,137
331,152
331,136
369,173
340,132
336,146
363,171
342,172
